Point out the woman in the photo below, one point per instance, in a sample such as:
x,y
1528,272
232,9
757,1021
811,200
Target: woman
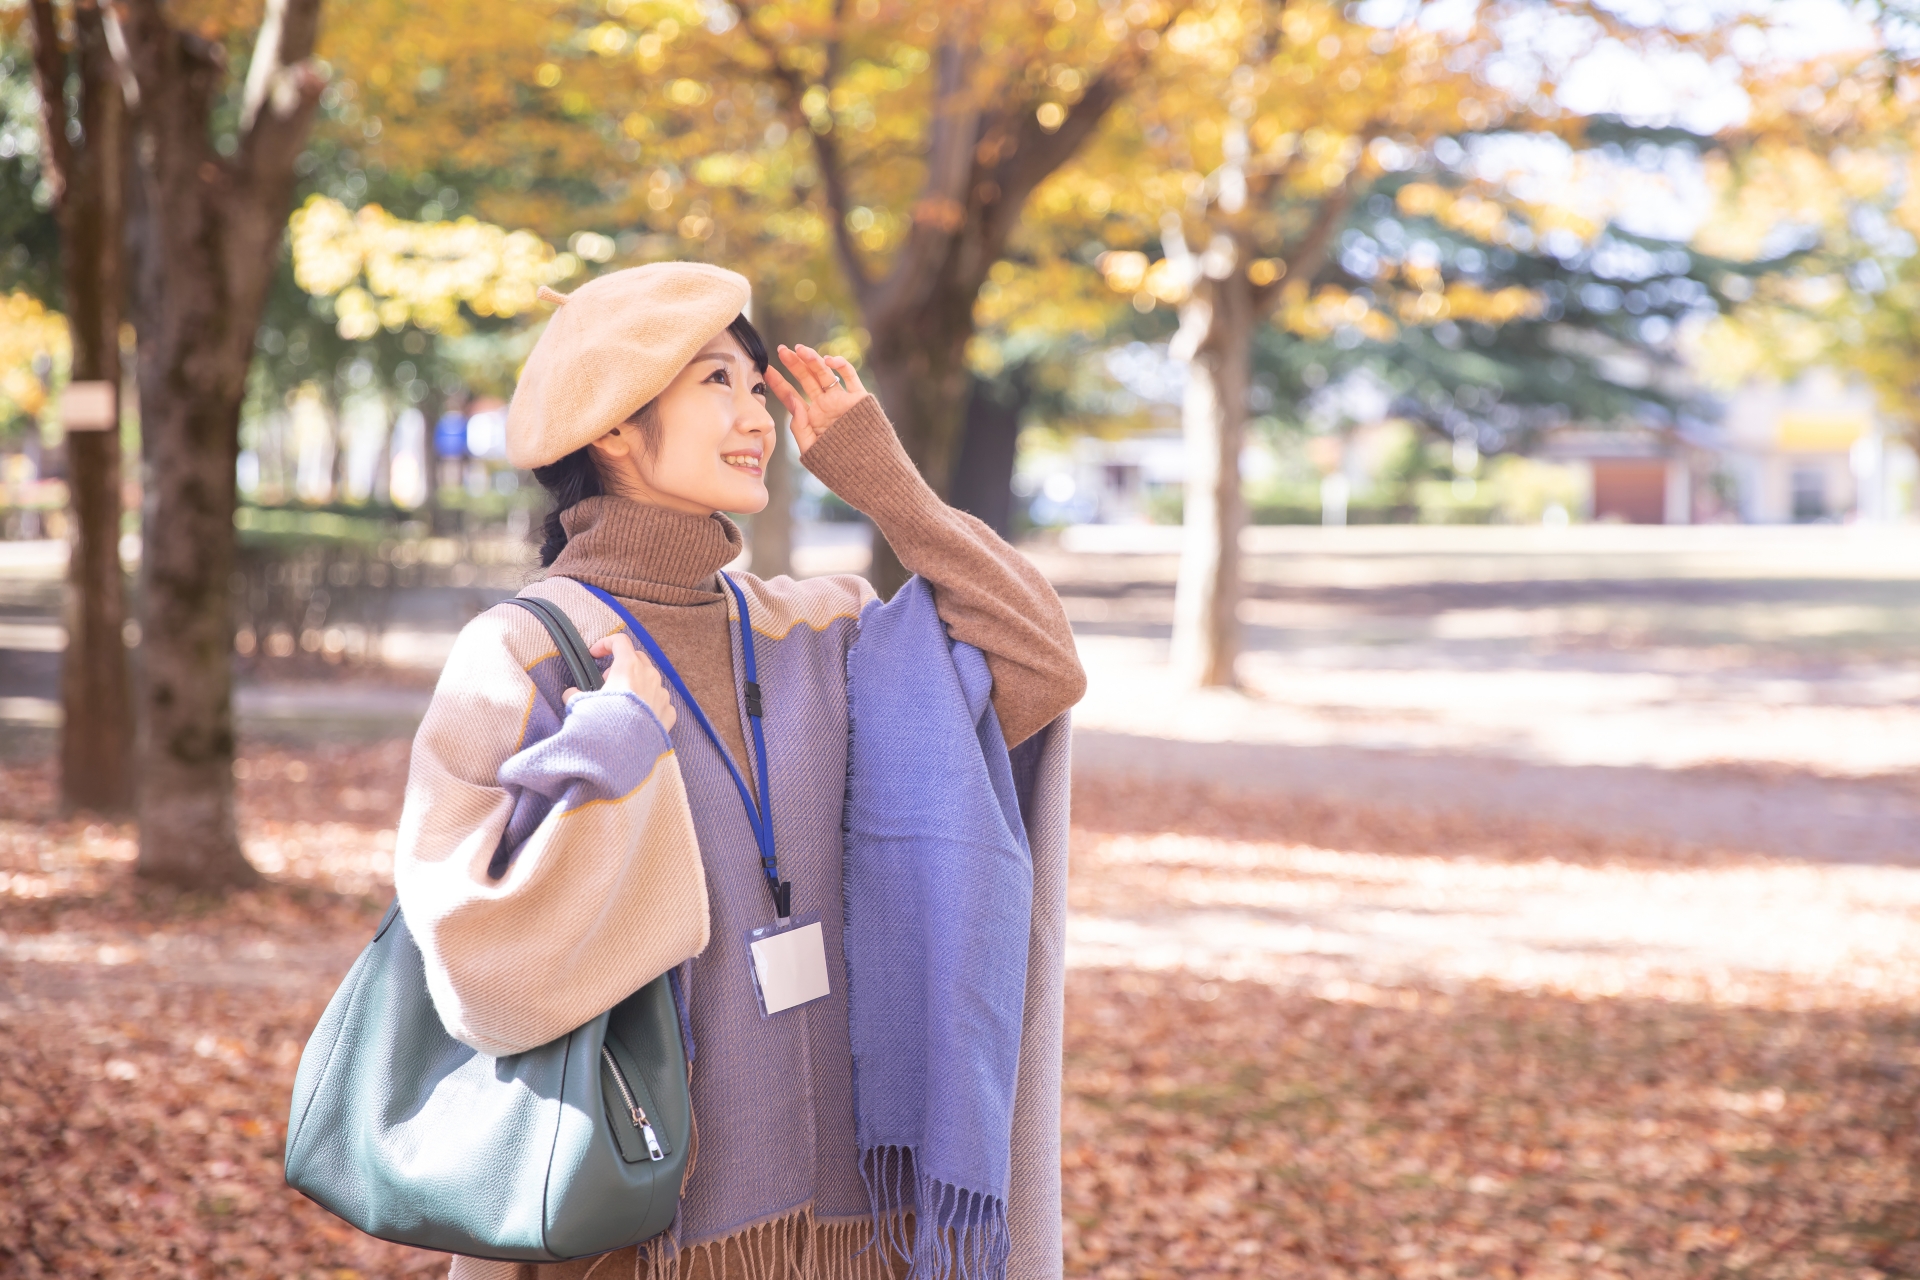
x,y
560,849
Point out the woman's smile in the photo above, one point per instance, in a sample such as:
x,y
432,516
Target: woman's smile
x,y
748,462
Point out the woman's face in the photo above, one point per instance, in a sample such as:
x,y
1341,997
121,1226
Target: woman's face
x,y
713,437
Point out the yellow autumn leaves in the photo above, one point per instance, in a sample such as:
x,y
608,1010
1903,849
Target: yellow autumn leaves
x,y
29,333
1413,292
1832,175
387,272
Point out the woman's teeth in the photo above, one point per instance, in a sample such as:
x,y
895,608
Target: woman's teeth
x,y
744,461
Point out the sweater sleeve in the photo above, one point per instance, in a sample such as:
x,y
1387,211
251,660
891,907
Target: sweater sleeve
x,y
987,594
546,865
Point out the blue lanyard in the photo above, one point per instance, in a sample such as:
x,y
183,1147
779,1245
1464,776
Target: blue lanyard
x,y
760,818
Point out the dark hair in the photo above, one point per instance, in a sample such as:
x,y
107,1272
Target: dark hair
x,y
749,337
567,481
576,476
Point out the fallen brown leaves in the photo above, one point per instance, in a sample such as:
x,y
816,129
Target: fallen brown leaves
x,y
1139,806
1321,1124
151,1036
1212,1127
1231,1129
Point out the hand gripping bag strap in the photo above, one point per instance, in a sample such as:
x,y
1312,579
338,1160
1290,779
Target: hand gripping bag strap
x,y
413,1137
566,638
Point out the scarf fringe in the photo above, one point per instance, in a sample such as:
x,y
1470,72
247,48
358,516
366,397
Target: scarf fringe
x,y
794,1246
949,1232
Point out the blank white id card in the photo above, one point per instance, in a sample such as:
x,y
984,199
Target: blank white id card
x,y
789,965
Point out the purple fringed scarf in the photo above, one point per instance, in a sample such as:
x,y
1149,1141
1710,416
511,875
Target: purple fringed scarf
x,y
939,901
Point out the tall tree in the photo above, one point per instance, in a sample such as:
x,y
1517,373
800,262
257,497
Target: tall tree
x,y
83,166
1004,111
885,149
211,212
1266,127
1288,170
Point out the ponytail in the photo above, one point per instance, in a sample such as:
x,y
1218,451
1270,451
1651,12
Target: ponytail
x,y
567,481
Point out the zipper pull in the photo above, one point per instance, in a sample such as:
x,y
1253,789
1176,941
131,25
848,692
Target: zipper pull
x,y
646,1131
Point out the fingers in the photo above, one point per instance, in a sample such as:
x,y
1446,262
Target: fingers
x,y
810,368
803,378
799,413
630,672
616,645
630,669
778,383
821,372
851,377
786,393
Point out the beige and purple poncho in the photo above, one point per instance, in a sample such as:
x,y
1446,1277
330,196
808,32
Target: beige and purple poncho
x,y
629,853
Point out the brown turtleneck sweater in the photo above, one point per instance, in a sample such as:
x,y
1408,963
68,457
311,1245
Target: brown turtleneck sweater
x,y
662,563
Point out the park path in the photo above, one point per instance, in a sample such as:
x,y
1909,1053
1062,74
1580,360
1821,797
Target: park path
x,y
1750,689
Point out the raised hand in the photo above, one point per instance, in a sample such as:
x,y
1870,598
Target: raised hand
x,y
827,387
632,672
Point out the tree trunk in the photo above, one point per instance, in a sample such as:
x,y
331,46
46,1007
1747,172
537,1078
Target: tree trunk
x,y
773,527
96,736
1216,339
919,364
981,165
983,473
210,234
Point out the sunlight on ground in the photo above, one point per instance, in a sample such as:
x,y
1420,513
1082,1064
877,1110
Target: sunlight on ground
x,y
1340,924
1856,723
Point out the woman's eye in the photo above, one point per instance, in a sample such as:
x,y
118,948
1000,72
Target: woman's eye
x,y
720,376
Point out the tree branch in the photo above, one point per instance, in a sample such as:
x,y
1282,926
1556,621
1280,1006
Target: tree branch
x,y
941,212
1307,254
833,182
838,21
792,87
955,128
146,45
1036,153
50,78
283,86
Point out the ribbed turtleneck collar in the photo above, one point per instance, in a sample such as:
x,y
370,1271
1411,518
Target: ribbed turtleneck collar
x,y
641,552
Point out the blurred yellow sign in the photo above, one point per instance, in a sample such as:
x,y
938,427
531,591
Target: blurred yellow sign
x,y
1821,432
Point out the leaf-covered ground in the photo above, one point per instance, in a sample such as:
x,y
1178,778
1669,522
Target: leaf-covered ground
x,y
1341,1116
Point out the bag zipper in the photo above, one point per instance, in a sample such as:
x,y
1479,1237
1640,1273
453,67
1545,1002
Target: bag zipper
x,y
638,1112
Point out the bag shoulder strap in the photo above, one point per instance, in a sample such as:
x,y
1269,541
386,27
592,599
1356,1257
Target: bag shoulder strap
x,y
581,667
566,638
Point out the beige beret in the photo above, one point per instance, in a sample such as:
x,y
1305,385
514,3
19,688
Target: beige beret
x,y
612,346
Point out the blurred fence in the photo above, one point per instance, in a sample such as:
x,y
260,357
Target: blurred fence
x,y
326,588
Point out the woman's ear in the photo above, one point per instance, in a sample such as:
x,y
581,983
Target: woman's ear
x,y
616,443
616,456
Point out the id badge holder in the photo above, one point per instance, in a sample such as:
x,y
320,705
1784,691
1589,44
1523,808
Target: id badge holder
x,y
787,961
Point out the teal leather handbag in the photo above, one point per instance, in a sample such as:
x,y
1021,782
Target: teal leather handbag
x,y
576,1148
